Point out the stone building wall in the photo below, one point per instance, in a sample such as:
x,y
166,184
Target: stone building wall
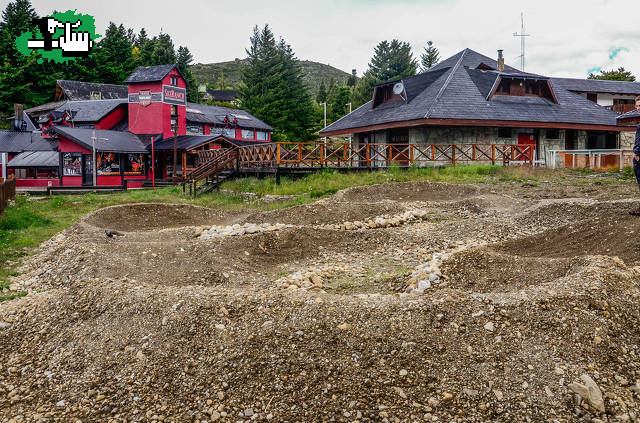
x,y
627,139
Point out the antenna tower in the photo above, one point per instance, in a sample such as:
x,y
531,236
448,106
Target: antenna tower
x,y
521,35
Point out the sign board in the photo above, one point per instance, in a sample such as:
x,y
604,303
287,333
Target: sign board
x,y
174,95
144,98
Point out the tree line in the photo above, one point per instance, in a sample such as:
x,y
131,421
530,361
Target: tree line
x,y
116,54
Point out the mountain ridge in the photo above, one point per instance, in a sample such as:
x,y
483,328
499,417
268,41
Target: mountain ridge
x,y
313,73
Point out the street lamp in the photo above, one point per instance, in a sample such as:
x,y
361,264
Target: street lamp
x,y
325,118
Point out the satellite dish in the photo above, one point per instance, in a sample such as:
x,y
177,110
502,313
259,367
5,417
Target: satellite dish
x,y
398,88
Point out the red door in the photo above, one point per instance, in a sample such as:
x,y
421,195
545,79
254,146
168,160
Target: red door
x,y
529,140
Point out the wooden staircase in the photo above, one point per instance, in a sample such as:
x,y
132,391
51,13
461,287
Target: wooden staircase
x,y
215,167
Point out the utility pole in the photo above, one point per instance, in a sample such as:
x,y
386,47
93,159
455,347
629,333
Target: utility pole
x,y
325,118
175,153
521,35
95,165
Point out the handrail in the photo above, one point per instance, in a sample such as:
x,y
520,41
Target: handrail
x,y
221,160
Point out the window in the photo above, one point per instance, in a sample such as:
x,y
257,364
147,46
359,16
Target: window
x,y
553,134
174,81
504,133
505,86
71,164
229,133
195,128
134,164
247,134
262,135
192,161
108,163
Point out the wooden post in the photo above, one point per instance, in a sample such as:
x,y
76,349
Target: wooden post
x,y
411,154
322,157
368,155
453,155
299,154
473,154
493,154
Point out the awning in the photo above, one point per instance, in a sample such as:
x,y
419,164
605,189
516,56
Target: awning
x,y
35,159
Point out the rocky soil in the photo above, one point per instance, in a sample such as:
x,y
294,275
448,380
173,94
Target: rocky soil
x,y
403,302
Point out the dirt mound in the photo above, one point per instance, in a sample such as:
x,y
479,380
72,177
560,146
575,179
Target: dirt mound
x,y
146,217
408,192
610,233
483,270
327,212
160,325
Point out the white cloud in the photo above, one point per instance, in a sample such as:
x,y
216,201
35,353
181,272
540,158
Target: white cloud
x,y
567,37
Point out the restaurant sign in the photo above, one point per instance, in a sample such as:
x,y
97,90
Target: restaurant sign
x,y
174,95
144,97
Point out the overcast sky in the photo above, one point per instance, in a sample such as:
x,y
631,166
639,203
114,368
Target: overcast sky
x,y
568,38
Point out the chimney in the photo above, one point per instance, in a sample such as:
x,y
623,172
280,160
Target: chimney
x,y
353,72
18,121
500,61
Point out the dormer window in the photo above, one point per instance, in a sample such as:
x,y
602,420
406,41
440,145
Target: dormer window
x,y
514,85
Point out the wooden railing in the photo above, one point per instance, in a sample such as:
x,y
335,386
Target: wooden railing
x,y
7,191
310,155
211,163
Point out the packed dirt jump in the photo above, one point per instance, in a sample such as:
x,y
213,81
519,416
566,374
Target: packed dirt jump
x,y
402,302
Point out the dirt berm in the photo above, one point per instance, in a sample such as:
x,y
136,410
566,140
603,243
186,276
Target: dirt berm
x,y
535,287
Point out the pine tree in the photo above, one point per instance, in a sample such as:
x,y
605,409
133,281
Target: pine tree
x,y
339,103
430,57
391,60
16,18
321,97
144,47
163,52
272,88
221,83
614,75
183,60
113,55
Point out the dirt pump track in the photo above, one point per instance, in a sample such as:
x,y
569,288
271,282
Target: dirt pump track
x,y
540,284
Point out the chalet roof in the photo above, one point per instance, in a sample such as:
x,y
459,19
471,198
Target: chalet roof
x,y
218,113
186,142
116,141
222,95
90,110
46,107
152,73
79,90
598,86
631,114
457,89
35,159
19,141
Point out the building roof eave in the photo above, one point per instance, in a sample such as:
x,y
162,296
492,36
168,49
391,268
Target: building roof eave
x,y
471,122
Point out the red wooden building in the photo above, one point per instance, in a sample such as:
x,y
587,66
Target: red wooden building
x,y
152,121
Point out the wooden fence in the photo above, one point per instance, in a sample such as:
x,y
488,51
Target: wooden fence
x,y
7,191
341,155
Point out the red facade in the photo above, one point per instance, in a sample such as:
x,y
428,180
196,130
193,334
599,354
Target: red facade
x,y
155,118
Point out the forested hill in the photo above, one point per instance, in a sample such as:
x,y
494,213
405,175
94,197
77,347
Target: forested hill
x,y
314,73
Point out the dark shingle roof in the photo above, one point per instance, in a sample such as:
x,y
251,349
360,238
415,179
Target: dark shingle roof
x,y
78,90
217,114
90,110
116,141
631,114
459,91
151,73
598,86
35,159
195,116
19,141
186,142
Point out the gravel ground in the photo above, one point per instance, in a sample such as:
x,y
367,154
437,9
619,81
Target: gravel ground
x,y
531,313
